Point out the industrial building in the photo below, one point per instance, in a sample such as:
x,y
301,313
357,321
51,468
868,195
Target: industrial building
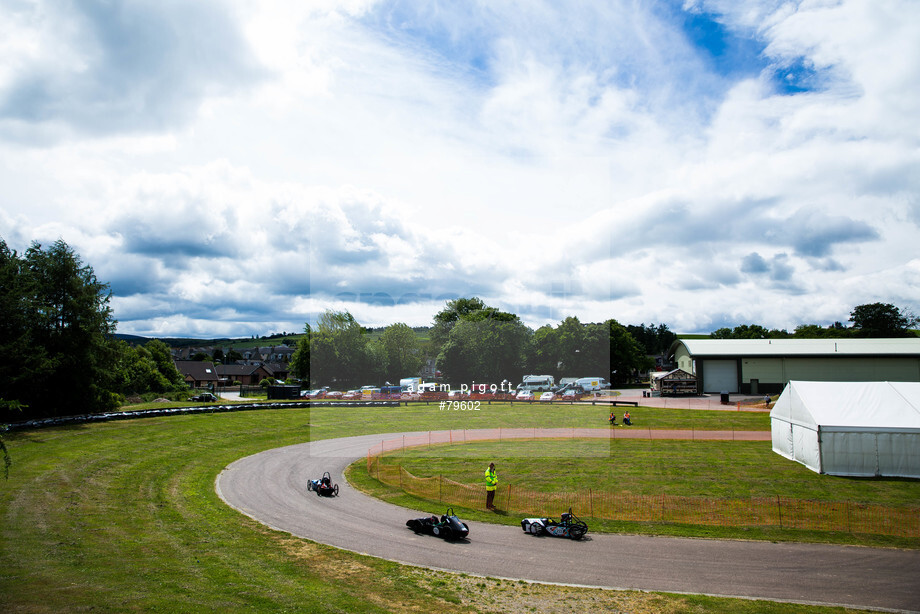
x,y
765,366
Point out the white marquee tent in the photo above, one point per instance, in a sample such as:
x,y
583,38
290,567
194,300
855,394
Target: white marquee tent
x,y
850,428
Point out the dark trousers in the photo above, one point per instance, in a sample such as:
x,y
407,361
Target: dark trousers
x,y
490,496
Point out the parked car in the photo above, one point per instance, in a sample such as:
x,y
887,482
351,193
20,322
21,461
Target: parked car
x,y
570,395
334,394
204,397
547,396
524,395
352,395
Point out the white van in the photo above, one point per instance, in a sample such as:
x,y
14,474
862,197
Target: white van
x,y
589,384
537,383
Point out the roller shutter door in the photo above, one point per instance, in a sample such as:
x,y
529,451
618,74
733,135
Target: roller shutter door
x,y
720,376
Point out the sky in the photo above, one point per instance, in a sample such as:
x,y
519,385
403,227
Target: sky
x,y
235,168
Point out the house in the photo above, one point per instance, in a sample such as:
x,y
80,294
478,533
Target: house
x,y
245,374
197,373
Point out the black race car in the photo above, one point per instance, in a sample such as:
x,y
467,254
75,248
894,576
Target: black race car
x,y
324,486
447,526
568,525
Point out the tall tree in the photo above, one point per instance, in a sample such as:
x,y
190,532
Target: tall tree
x,y
399,352
484,351
300,360
654,339
19,357
880,320
70,365
339,351
626,355
453,312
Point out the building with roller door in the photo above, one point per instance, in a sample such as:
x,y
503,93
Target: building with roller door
x,y
765,366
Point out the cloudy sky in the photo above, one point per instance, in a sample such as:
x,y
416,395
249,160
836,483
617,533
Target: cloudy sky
x,y
236,167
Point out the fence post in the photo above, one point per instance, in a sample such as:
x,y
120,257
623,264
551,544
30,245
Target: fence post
x,y
779,508
509,496
590,503
440,482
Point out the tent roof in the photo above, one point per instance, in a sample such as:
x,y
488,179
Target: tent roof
x,y
851,404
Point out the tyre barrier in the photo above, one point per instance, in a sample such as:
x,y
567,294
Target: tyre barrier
x,y
177,411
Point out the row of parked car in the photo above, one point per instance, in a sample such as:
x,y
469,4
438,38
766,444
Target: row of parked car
x,y
571,394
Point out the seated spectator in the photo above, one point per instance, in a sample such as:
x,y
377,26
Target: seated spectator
x,y
613,418
626,419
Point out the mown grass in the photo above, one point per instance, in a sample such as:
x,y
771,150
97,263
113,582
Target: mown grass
x,y
721,469
122,516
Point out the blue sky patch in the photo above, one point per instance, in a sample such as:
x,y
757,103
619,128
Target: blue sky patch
x,y
450,34
724,51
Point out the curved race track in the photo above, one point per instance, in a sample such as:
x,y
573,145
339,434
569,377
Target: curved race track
x,y
271,488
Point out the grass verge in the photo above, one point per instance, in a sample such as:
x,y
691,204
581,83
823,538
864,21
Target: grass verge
x,y
122,516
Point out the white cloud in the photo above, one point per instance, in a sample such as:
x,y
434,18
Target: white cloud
x,y
383,156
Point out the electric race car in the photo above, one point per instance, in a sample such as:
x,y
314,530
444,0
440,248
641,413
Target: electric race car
x,y
568,525
324,486
448,526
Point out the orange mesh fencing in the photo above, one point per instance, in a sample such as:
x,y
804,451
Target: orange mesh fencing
x,y
780,512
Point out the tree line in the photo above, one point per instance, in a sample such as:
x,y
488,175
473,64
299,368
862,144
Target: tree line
x,y
873,320
472,342
58,355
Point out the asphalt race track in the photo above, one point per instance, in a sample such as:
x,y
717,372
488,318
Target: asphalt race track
x,y
271,488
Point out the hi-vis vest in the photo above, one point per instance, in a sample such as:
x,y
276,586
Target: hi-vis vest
x,y
491,479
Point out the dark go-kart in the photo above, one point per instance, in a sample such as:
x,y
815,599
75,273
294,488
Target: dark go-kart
x,y
568,525
447,526
324,486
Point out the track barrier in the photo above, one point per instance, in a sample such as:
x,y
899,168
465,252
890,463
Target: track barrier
x,y
777,512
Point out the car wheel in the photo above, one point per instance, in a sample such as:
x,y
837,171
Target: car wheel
x,y
436,531
335,490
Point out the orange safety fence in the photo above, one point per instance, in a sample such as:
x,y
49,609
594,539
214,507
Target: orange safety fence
x,y
779,512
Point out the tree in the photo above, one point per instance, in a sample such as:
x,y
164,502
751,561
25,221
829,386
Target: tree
x,y
484,351
300,359
626,355
570,349
654,339
19,357
147,368
814,331
452,313
881,320
71,360
748,331
399,352
339,350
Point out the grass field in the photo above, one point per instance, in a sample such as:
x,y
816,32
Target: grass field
x,y
729,469
122,516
